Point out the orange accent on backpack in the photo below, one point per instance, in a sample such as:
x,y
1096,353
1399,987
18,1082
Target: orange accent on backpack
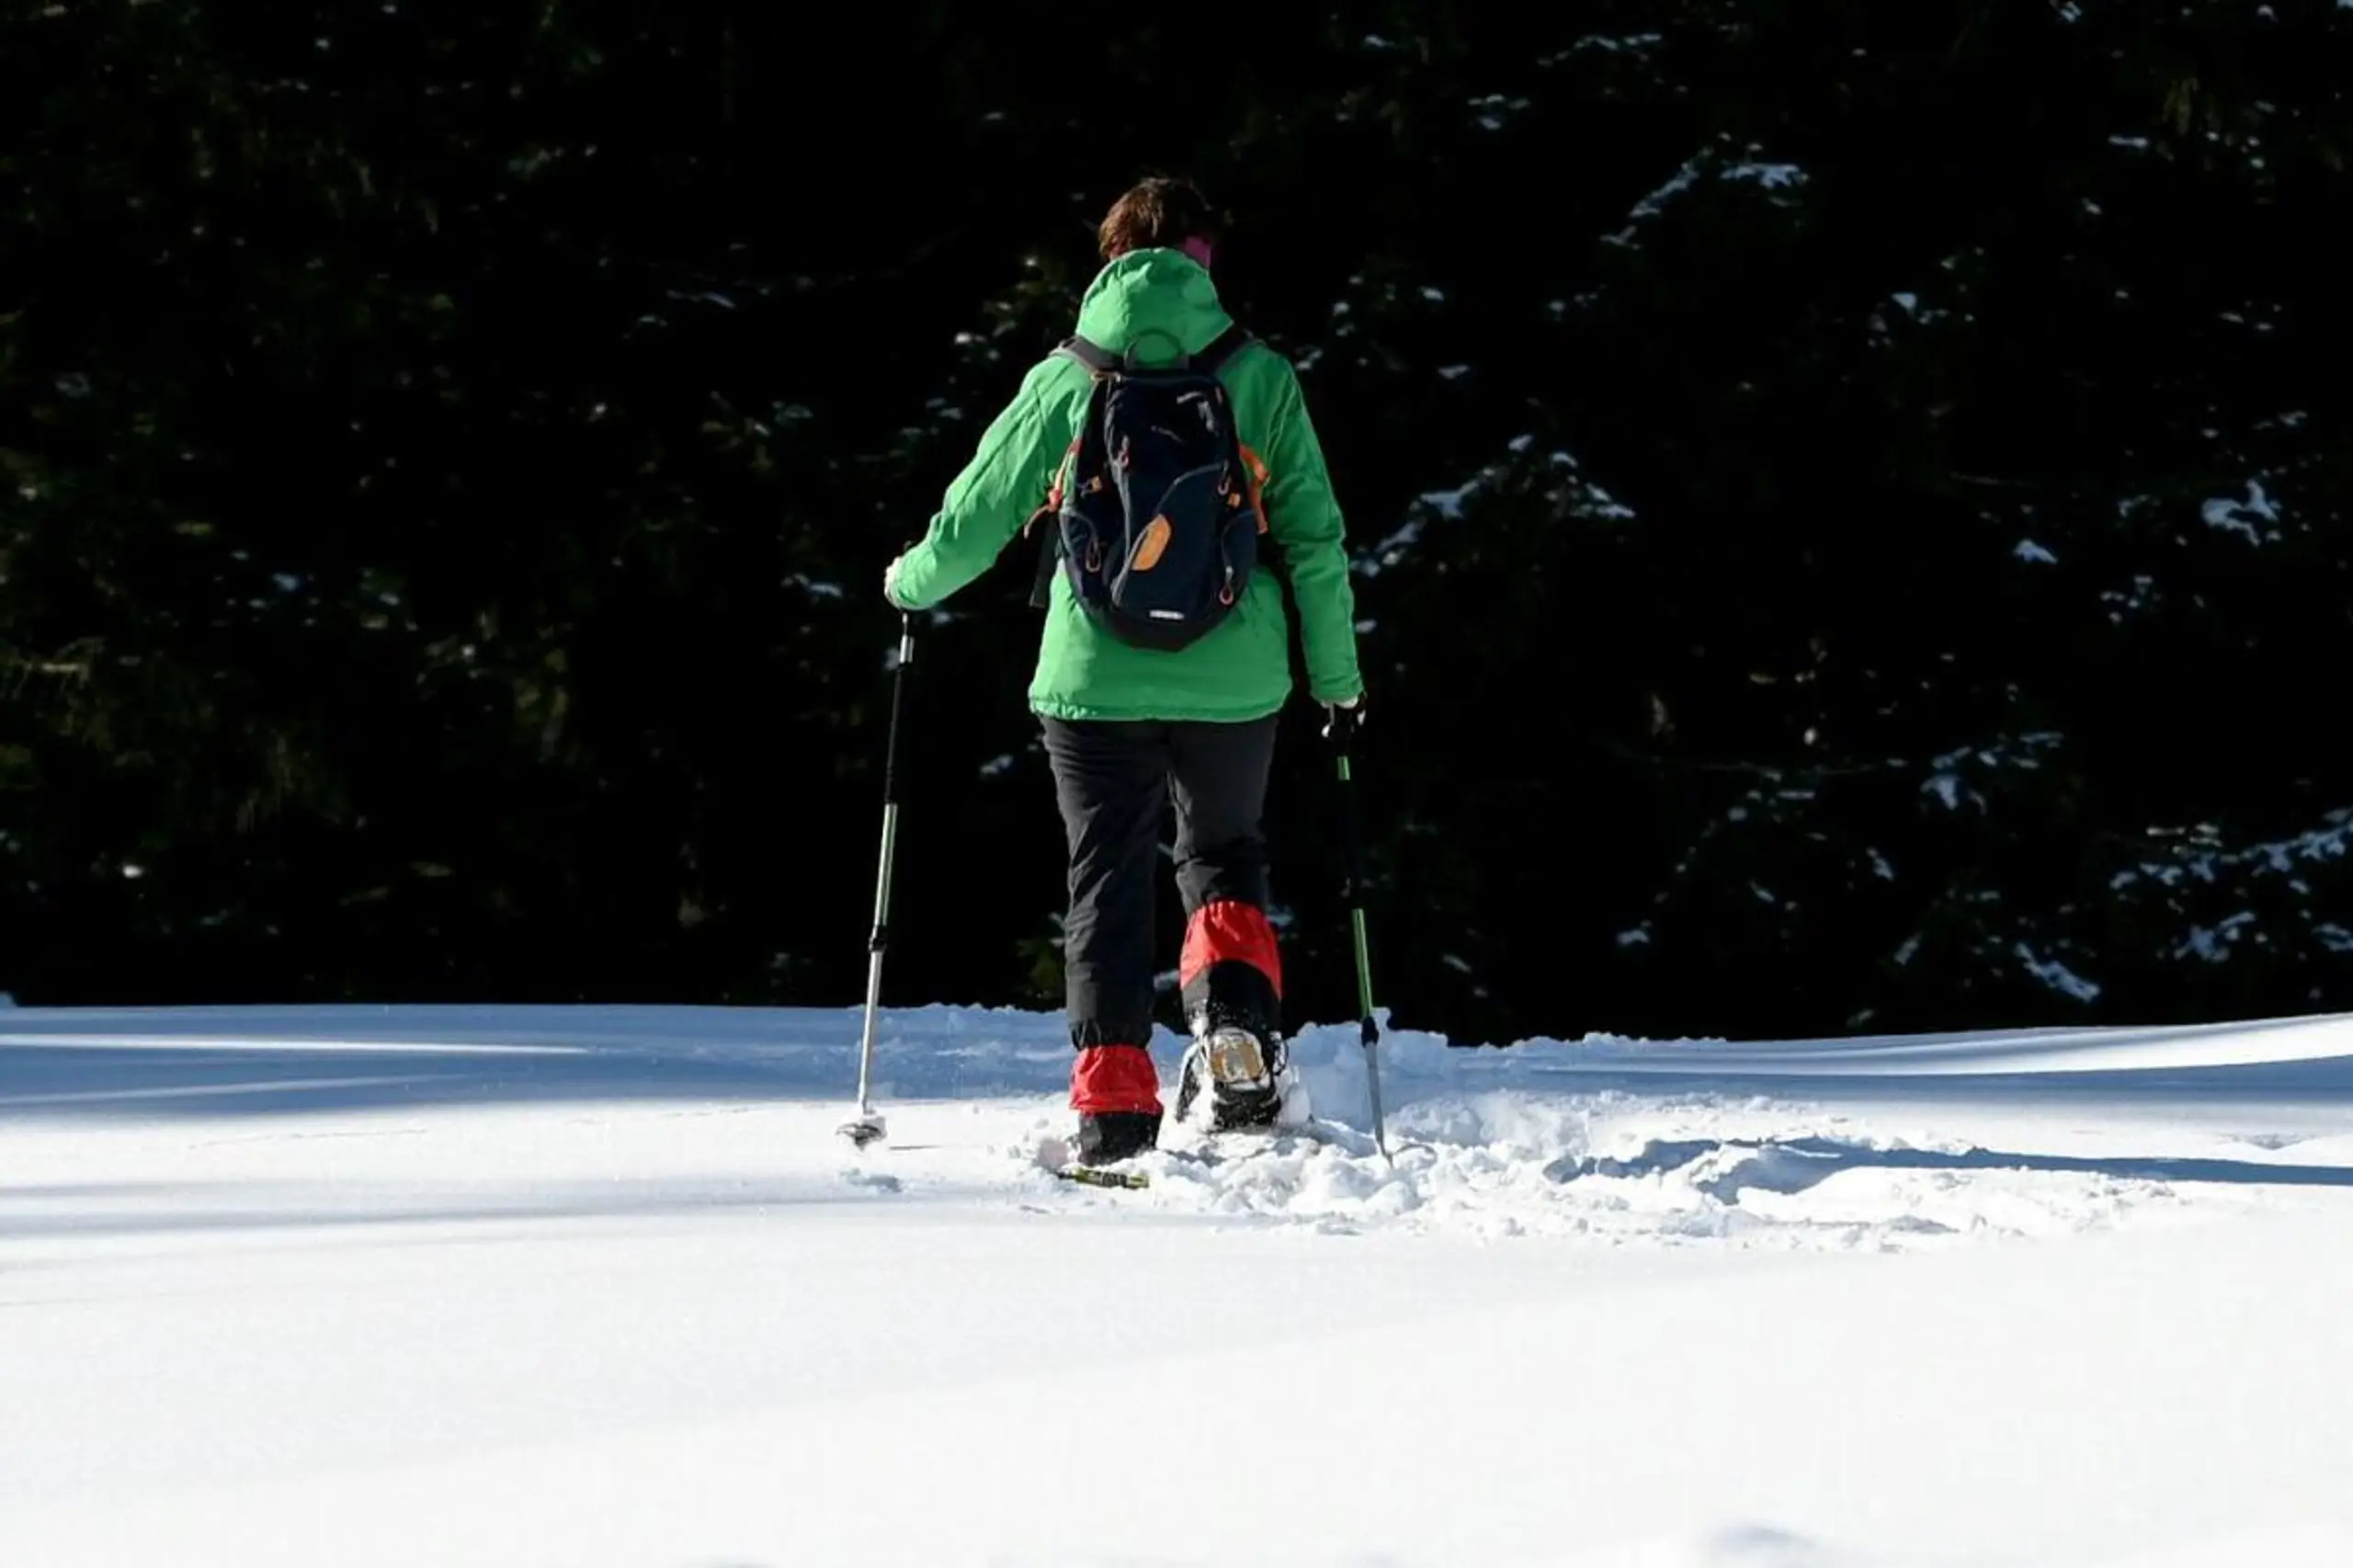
x,y
1259,475
1153,544
1053,491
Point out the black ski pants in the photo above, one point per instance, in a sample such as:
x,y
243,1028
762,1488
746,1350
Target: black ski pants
x,y
1115,782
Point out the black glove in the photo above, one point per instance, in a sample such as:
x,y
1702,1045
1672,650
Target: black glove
x,y
1343,720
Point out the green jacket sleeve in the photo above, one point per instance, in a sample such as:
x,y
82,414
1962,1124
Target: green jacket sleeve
x,y
1304,517
987,502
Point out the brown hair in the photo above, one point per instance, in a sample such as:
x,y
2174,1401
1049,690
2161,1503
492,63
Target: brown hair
x,y
1160,212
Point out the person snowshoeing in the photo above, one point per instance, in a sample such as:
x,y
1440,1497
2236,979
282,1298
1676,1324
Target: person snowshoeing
x,y
1170,463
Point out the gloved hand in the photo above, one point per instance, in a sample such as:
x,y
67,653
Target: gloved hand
x,y
1342,720
891,583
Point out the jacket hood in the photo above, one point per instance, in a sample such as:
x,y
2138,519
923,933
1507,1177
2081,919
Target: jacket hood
x,y
1146,298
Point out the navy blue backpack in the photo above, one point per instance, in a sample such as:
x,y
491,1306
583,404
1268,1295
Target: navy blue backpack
x,y
1155,509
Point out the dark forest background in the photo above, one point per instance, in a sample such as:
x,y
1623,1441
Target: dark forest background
x,y
1848,499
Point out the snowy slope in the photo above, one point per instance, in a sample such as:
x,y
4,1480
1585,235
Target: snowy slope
x,y
600,1286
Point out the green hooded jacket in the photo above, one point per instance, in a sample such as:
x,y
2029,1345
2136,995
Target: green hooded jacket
x,y
1240,671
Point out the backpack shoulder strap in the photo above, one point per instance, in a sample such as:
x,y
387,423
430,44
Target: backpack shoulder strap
x,y
1096,359
1099,362
1222,348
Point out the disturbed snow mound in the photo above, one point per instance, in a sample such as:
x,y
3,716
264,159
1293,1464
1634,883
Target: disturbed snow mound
x,y
1622,1170
1498,1143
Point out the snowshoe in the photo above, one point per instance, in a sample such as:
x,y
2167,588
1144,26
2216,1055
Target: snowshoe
x,y
1232,1078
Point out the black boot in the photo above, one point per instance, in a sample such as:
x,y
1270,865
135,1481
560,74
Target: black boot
x,y
1105,1136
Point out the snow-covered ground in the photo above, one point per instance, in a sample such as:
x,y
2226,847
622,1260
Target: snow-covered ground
x,y
589,1286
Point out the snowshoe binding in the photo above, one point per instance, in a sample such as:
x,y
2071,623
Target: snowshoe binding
x,y
1233,1079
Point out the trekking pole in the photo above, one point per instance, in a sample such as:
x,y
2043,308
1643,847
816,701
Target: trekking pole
x,y
1341,728
866,1125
